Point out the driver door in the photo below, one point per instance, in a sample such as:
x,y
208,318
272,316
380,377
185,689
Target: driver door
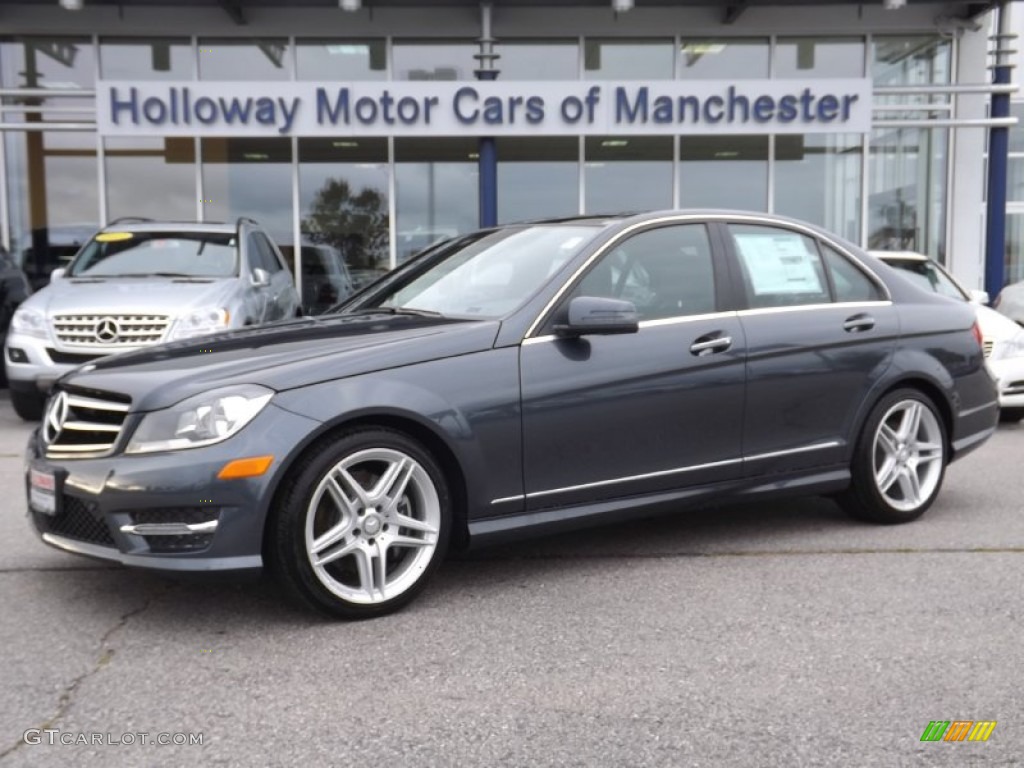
x,y
622,415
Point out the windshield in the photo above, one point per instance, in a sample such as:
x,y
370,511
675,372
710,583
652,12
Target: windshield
x,y
485,276
927,275
171,254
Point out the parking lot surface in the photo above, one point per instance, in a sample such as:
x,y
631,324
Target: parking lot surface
x,y
764,635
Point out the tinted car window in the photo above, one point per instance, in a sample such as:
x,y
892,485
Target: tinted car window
x,y
665,272
928,276
850,283
269,255
780,267
137,254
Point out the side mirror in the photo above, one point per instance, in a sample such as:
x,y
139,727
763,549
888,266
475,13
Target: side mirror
x,y
598,315
57,274
260,278
978,296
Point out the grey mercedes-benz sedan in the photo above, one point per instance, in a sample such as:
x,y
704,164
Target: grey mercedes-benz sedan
x,y
522,379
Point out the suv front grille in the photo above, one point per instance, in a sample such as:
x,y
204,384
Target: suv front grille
x,y
986,346
75,521
82,426
109,331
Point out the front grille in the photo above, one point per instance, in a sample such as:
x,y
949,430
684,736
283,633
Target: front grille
x,y
987,345
88,427
77,520
109,331
70,358
1014,388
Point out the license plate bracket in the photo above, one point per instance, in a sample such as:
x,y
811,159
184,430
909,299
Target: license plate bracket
x,y
44,489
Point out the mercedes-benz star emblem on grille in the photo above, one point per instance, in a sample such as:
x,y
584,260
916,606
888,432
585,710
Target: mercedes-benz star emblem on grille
x,y
56,415
107,331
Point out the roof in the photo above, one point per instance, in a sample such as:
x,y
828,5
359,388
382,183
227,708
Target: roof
x,y
170,226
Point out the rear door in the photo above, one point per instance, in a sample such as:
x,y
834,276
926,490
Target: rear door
x,y
820,332
612,416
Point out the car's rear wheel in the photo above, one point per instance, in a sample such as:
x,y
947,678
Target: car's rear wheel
x,y
1011,415
362,524
899,461
28,405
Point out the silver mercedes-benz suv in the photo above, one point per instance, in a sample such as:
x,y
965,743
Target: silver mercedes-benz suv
x,y
139,282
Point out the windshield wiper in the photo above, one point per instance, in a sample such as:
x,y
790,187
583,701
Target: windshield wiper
x,y
394,311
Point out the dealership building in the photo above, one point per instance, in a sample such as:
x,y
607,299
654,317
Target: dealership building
x,y
376,127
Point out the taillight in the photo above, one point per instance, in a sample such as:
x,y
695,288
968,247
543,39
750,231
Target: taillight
x,y
976,330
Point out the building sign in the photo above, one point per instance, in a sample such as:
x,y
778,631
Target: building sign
x,y
482,108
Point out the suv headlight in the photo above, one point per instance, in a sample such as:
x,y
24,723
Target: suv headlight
x,y
29,322
1012,348
200,322
200,420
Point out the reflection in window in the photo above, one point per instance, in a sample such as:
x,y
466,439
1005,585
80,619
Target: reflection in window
x,y
249,177
801,57
723,58
723,172
1014,264
1017,131
142,58
817,178
167,165
232,59
907,191
628,59
341,60
537,178
437,191
910,60
628,173
539,60
434,60
58,63
343,198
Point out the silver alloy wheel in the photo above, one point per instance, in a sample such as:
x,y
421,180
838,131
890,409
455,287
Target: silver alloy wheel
x,y
372,525
909,453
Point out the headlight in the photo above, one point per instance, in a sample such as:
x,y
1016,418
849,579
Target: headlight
x,y
1012,348
29,322
200,420
200,322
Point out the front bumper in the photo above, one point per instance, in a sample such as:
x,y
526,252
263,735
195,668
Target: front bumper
x,y
1009,373
168,511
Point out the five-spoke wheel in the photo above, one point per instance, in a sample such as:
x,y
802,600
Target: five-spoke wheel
x,y
899,461
363,523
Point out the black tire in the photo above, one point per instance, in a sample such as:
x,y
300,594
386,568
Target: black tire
x,y
295,516
1011,415
28,405
865,499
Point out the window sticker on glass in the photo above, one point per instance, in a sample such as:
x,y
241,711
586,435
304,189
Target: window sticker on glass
x,y
779,264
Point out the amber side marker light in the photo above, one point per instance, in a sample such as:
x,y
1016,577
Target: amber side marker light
x,y
254,466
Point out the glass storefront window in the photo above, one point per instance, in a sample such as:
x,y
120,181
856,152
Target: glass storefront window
x,y
265,58
344,220
628,59
1017,131
57,63
818,179
723,172
723,58
538,60
1014,264
627,173
907,191
437,191
249,177
52,184
140,58
910,60
802,57
138,167
538,178
414,60
343,60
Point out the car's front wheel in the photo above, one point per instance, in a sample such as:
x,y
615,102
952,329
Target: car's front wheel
x,y
362,524
899,461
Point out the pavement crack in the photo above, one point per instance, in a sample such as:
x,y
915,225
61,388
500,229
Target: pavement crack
x,y
106,653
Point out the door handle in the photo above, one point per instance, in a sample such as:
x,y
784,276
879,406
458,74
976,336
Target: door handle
x,y
709,346
859,323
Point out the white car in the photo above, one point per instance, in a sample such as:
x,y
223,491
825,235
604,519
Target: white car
x,y
1003,339
1010,302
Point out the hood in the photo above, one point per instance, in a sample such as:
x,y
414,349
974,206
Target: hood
x,y
132,295
996,326
281,356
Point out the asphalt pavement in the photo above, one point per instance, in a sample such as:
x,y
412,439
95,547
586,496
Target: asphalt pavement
x,y
777,634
